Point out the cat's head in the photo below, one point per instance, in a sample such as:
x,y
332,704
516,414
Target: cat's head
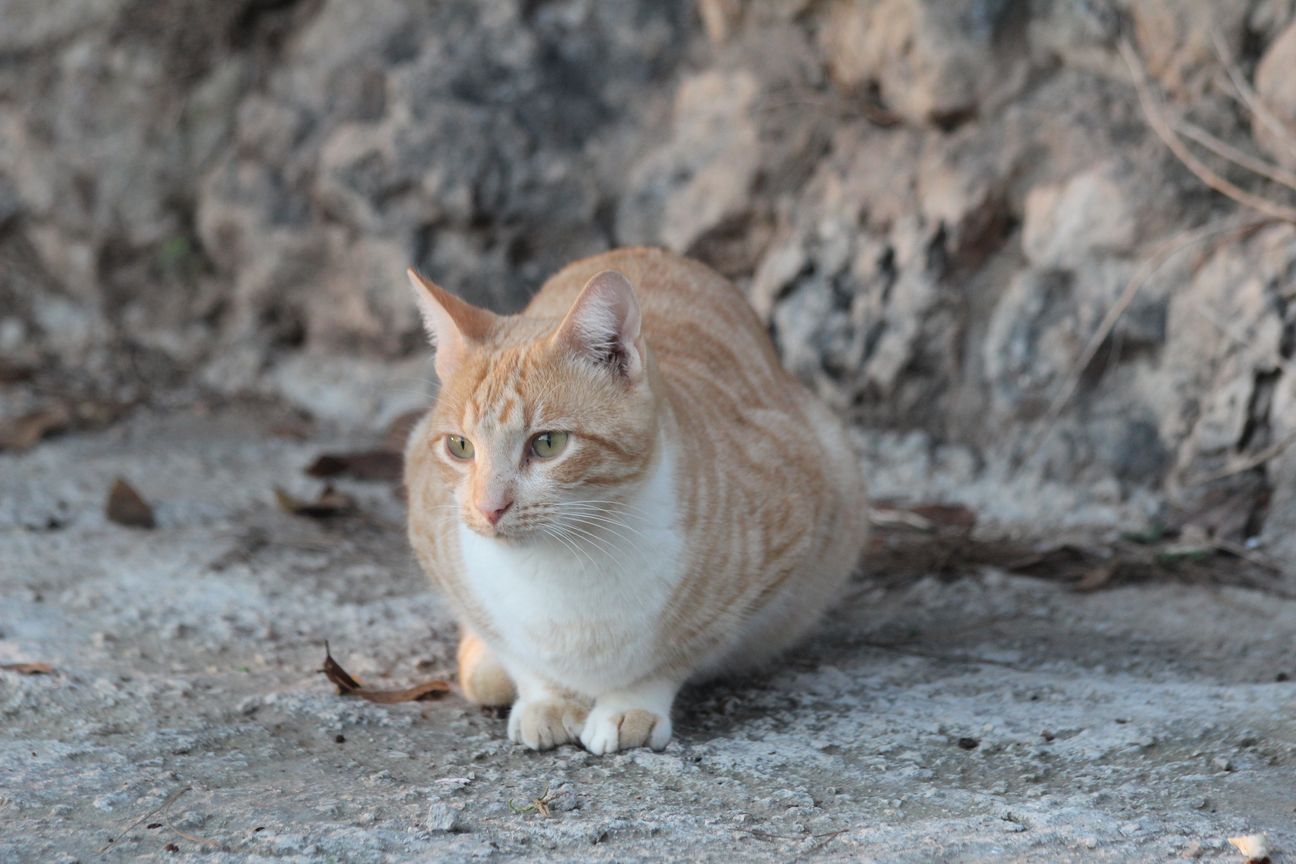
x,y
540,424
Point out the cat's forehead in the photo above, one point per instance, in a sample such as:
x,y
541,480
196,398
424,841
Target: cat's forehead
x,y
503,397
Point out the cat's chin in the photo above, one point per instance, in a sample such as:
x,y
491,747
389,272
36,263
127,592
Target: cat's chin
x,y
512,536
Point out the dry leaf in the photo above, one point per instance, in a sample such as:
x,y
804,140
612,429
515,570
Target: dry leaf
x,y
13,371
349,686
127,507
22,432
330,502
1096,578
28,668
1254,846
953,516
376,465
294,429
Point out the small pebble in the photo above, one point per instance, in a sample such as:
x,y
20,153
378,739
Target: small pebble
x,y
442,817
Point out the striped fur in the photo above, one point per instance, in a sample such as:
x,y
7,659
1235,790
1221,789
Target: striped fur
x,y
705,511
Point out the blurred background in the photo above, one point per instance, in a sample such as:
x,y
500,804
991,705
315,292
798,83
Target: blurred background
x,y
1041,253
957,219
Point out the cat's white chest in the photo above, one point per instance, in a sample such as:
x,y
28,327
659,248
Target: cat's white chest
x,y
585,612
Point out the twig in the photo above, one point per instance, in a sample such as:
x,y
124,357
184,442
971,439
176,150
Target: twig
x,y
1247,94
539,805
195,839
1149,268
1240,551
824,839
1254,461
1225,150
886,518
1202,171
967,660
175,796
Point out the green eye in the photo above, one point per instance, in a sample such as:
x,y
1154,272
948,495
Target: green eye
x,y
547,445
459,447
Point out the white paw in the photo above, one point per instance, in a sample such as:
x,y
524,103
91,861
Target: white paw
x,y
544,723
608,730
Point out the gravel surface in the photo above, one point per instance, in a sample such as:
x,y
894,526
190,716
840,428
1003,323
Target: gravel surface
x,y
986,718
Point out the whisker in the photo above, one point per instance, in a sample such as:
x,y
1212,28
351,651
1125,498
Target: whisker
x,y
607,521
630,544
572,544
550,532
625,505
606,548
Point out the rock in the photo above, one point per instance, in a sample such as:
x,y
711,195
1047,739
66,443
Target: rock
x,y
704,174
1276,133
1031,341
932,205
441,818
1091,214
1175,39
933,62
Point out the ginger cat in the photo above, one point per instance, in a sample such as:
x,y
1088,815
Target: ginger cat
x,y
619,490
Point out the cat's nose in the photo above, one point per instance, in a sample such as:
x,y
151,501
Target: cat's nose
x,y
493,510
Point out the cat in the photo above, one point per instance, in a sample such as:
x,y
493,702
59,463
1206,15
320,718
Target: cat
x,y
620,490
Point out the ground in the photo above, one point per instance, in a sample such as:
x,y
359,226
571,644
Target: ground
x,y
979,718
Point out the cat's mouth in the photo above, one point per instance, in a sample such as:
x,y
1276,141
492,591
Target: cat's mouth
x,y
506,533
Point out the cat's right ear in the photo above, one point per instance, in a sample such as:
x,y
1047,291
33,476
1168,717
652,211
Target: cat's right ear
x,y
451,323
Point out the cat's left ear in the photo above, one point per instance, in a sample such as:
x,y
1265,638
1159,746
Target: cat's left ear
x,y
603,325
451,323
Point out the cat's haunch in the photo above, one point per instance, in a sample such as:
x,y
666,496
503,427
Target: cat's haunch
x,y
620,490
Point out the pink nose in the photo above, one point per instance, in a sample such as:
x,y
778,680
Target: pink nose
x,y
494,511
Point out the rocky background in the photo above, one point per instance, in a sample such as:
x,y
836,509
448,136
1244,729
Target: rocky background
x,y
936,206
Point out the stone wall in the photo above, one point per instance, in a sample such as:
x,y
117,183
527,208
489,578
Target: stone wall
x,y
934,205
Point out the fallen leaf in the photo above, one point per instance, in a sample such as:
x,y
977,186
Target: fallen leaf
x,y
13,371
1095,578
1255,847
22,432
952,516
924,517
294,429
330,502
375,465
349,686
28,668
127,507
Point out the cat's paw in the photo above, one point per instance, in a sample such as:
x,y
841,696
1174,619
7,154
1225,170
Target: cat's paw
x,y
608,730
482,679
542,724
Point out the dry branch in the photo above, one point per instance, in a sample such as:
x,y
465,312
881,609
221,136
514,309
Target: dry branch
x,y
1203,172
1248,96
1181,241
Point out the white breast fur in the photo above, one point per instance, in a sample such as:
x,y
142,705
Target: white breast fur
x,y
585,618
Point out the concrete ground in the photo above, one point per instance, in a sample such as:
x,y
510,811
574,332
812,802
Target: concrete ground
x,y
984,718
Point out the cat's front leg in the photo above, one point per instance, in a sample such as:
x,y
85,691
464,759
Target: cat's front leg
x,y
544,717
637,716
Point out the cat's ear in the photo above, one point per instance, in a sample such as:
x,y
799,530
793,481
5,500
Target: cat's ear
x,y
603,325
451,323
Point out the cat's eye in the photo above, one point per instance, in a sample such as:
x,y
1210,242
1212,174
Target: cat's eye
x,y
459,447
547,445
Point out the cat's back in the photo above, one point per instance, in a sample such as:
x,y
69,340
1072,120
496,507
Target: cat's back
x,y
746,418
